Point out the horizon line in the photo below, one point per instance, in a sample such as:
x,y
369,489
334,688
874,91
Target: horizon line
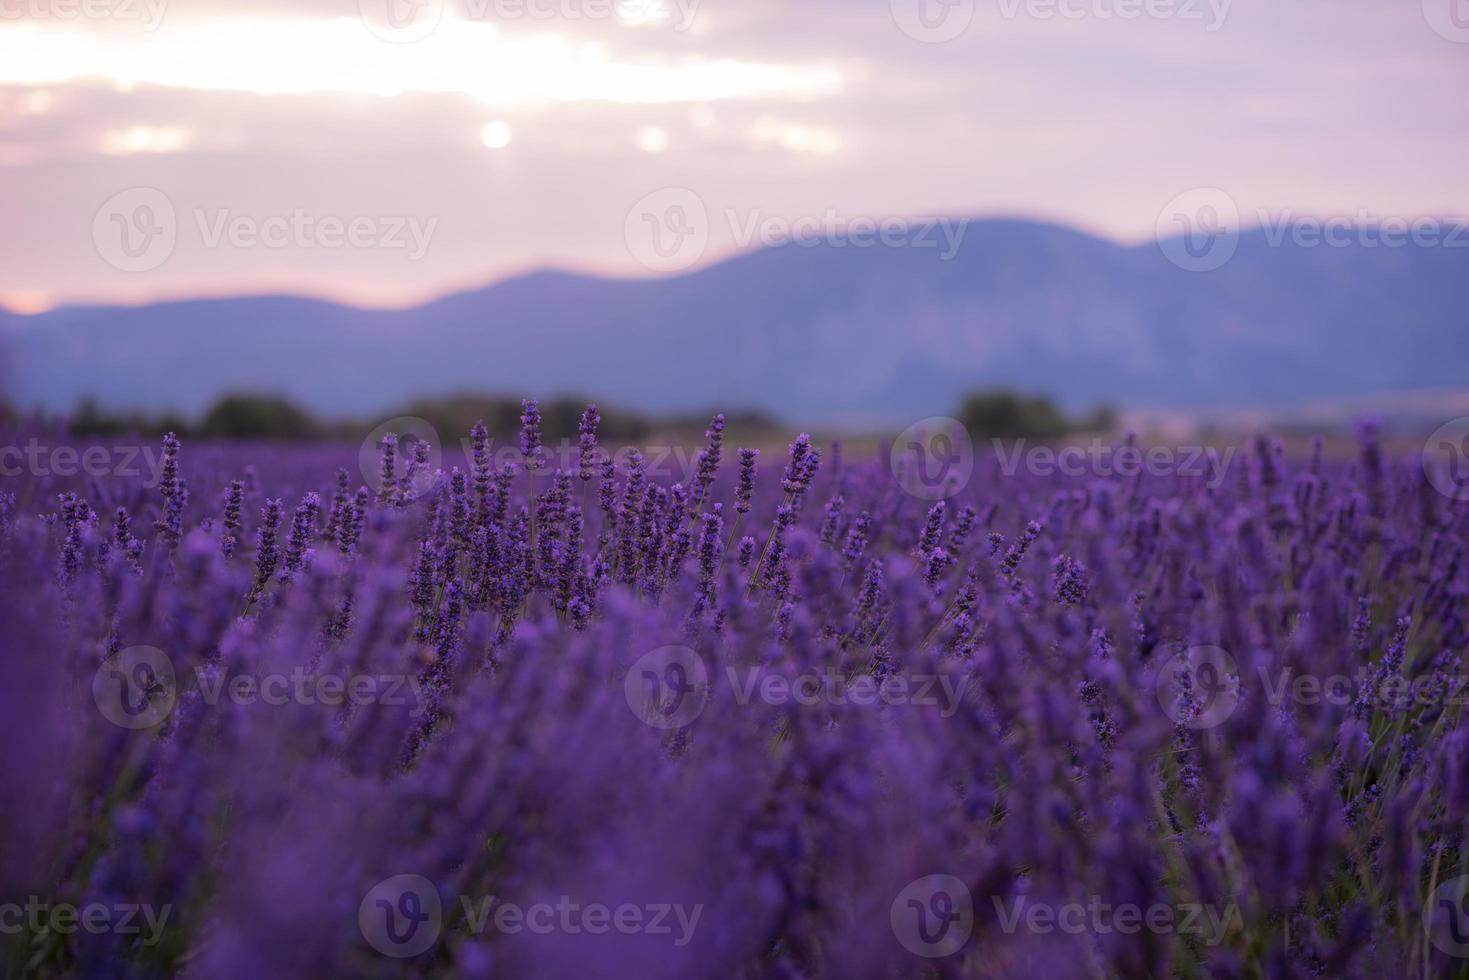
x,y
42,305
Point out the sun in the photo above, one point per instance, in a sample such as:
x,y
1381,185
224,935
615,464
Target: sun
x,y
496,135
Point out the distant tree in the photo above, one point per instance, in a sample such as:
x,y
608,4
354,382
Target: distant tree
x,y
241,416
452,416
1008,415
1103,418
90,420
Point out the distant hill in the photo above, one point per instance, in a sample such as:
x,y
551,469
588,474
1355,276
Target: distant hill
x,y
823,333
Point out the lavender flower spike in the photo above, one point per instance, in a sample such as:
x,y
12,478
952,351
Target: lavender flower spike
x,y
530,435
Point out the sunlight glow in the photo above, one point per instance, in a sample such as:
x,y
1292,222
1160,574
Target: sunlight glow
x,y
27,302
795,137
145,139
496,135
652,139
281,57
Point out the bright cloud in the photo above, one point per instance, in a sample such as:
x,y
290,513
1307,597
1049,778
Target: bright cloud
x,y
480,60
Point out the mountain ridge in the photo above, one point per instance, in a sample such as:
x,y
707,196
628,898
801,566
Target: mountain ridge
x,y
807,331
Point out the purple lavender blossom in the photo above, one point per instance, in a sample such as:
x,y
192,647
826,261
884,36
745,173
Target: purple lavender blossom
x,y
525,635
587,430
530,435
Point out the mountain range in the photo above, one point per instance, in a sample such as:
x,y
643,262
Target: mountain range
x,y
820,333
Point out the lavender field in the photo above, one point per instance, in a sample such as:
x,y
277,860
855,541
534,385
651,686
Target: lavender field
x,y
793,717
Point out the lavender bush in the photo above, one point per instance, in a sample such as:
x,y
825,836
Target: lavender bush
x,y
785,721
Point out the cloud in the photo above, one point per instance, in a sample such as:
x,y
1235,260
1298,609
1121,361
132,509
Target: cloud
x,y
762,107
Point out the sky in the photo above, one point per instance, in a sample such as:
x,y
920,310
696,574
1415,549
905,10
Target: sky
x,y
385,152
